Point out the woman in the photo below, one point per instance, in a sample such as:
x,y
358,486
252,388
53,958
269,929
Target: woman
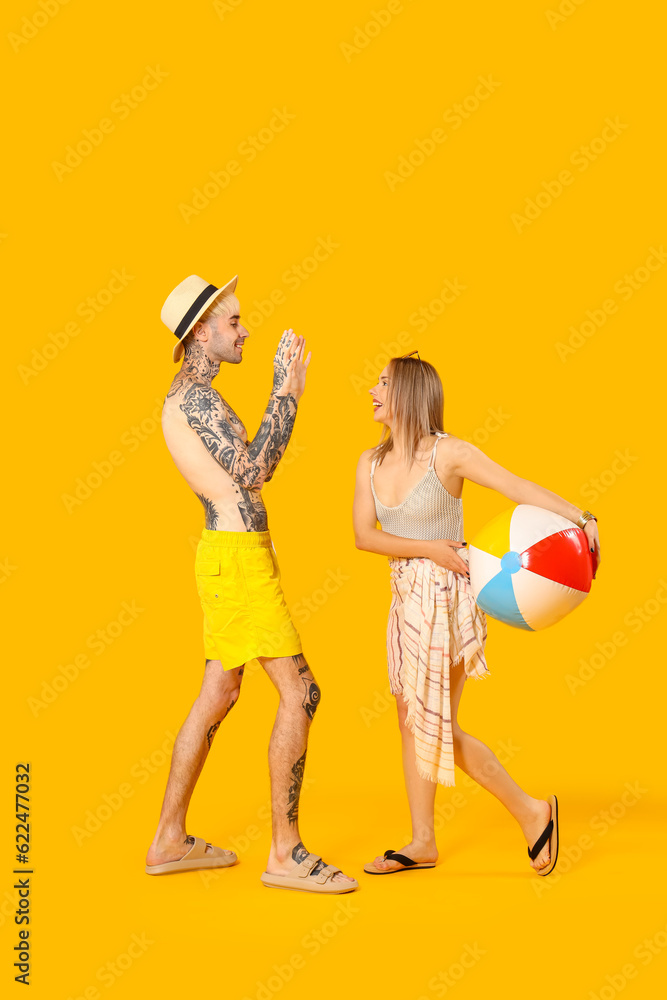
x,y
411,482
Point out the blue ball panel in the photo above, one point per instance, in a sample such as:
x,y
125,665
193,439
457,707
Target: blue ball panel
x,y
497,599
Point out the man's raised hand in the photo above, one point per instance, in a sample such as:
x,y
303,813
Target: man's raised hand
x,y
289,366
281,358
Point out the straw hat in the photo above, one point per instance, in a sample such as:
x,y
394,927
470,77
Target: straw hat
x,y
187,302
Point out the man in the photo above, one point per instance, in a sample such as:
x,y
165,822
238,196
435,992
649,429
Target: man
x,y
238,580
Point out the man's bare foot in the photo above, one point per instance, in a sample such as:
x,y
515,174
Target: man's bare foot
x,y
419,852
532,829
283,862
164,850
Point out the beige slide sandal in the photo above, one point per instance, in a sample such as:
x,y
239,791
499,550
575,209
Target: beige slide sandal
x,y
196,858
300,878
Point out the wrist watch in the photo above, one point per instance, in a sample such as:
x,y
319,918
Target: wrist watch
x,y
586,516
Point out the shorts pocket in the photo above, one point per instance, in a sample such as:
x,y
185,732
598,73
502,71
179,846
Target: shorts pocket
x,y
208,567
207,575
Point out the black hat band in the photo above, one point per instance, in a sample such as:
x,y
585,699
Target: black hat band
x,y
194,309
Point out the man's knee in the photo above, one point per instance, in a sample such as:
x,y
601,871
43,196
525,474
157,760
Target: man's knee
x,y
221,689
311,696
217,708
307,688
298,688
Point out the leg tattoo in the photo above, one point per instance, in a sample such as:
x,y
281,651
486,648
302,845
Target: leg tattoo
x,y
295,790
211,733
216,725
299,853
311,697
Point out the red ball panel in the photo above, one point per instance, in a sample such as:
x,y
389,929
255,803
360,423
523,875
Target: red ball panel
x,y
564,557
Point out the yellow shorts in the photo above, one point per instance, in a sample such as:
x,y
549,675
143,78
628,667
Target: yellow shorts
x,y
245,614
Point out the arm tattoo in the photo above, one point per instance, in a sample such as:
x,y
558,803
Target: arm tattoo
x,y
211,733
249,465
295,790
235,420
280,363
274,432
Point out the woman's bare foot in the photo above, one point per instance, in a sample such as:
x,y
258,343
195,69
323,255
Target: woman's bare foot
x,y
280,863
532,829
422,853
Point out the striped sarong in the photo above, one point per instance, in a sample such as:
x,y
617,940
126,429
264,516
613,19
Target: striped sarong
x,y
434,621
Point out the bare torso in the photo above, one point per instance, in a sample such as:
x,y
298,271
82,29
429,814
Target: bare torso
x,y
228,506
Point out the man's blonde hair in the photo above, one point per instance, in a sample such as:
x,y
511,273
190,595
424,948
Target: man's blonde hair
x,y
224,306
416,402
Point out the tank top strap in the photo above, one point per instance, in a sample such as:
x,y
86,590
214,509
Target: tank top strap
x,y
438,435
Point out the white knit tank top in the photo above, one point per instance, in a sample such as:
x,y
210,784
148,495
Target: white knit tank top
x,y
429,511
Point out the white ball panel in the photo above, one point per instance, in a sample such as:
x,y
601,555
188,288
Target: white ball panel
x,y
531,524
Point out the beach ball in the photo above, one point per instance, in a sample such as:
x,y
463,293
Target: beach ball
x,y
530,567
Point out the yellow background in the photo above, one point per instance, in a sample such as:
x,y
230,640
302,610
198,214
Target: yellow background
x,y
68,569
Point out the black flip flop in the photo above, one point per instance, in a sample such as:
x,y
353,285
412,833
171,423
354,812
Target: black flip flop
x,y
408,863
550,834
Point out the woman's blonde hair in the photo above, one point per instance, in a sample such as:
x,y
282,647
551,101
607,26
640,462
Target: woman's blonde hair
x,y
416,402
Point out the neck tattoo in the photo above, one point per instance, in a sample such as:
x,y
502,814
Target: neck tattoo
x,y
197,362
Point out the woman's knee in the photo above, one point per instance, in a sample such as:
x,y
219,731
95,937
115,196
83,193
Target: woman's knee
x,y
458,735
401,712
